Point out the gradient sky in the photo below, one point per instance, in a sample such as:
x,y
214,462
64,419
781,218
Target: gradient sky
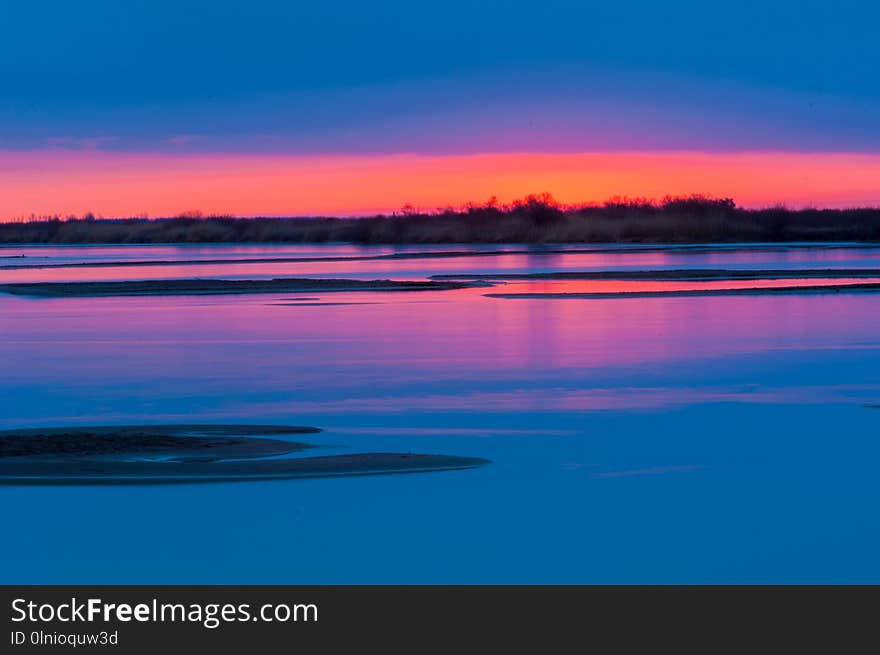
x,y
315,91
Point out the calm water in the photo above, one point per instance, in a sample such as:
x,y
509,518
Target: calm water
x,y
710,439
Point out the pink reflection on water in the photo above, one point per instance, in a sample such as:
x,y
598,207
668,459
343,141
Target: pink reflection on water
x,y
442,351
251,357
634,286
190,261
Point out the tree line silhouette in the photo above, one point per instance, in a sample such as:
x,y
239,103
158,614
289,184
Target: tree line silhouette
x,y
536,218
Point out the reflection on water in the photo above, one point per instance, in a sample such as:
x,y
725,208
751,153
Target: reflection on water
x,y
27,264
661,439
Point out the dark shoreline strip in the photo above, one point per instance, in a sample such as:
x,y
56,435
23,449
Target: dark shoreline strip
x,y
695,293
181,442
178,287
676,274
180,453
114,473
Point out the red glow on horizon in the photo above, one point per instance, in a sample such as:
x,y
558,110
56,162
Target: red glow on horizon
x,y
131,184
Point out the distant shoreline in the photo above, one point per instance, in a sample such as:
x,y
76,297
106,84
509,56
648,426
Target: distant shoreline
x,y
868,287
694,220
204,287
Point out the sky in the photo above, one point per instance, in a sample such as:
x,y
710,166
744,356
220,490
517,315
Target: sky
x,y
279,107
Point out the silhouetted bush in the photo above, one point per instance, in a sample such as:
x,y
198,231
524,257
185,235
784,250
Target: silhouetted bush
x,y
540,209
697,205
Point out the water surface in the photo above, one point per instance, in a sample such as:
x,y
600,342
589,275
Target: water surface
x,y
710,439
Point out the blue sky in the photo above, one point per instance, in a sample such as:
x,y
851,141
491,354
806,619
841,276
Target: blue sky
x,y
460,77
